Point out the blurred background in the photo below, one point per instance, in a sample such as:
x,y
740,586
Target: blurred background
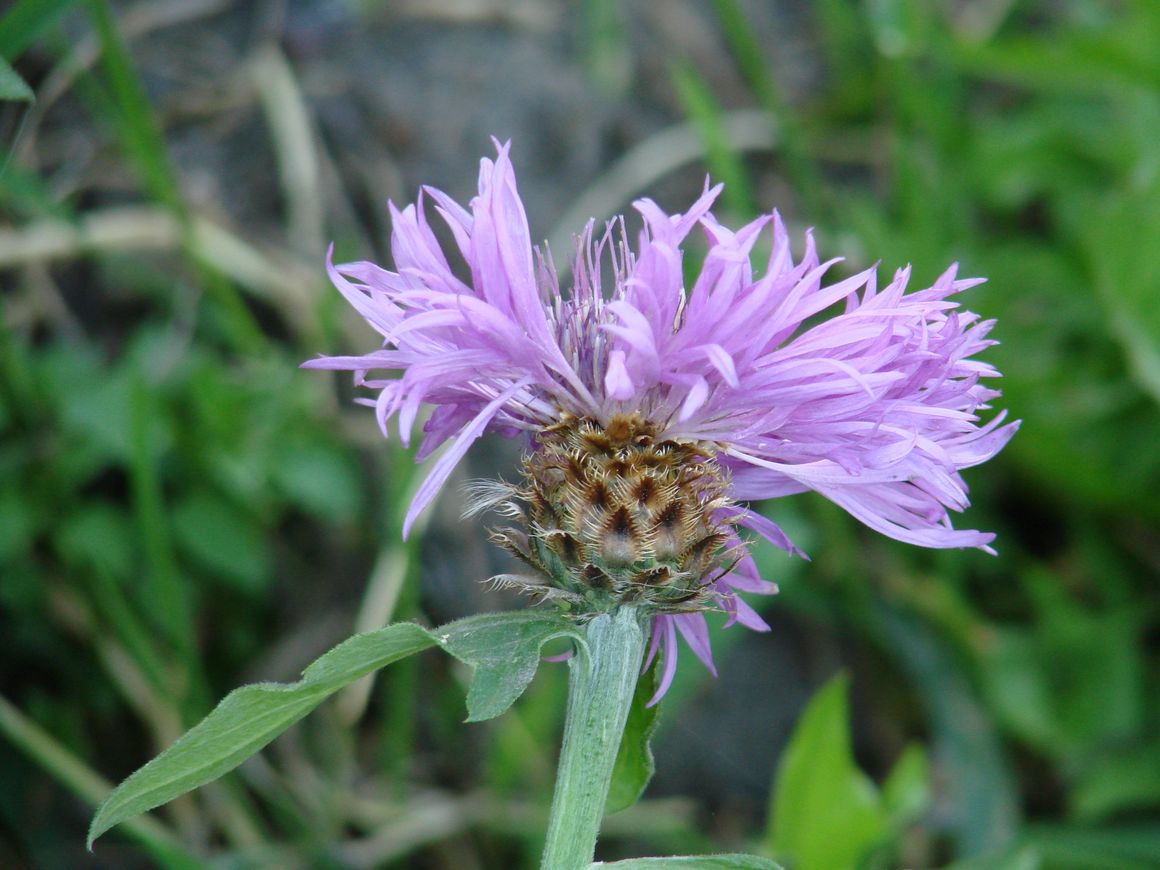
x,y
182,510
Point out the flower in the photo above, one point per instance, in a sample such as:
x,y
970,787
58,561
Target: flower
x,y
875,406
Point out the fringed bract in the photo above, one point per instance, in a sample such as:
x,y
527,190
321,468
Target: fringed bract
x,y
610,514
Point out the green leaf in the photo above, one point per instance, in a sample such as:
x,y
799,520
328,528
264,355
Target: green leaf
x,y
906,791
897,26
826,812
695,862
1019,858
96,534
224,539
137,126
249,718
17,524
607,54
1060,63
318,477
503,647
634,761
1121,243
25,21
980,809
12,86
1124,778
1116,847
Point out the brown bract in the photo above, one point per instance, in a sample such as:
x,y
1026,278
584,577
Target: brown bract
x,y
611,514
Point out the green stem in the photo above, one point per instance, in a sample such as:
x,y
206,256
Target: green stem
x,y
601,680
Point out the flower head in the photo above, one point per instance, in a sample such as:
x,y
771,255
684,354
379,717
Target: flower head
x,y
653,411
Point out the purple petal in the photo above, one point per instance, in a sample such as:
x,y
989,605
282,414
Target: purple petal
x,y
447,462
665,635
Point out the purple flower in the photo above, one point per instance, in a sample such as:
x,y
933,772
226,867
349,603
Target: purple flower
x,y
875,406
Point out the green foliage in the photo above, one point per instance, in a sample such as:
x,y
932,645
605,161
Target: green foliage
x,y
826,812
25,21
504,648
249,718
12,86
136,125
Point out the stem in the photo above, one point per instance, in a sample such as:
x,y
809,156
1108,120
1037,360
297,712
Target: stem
x,y
601,681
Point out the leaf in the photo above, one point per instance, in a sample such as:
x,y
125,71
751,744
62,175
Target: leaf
x,y
504,648
224,539
319,478
12,86
96,534
1121,243
25,21
607,54
906,791
634,761
1020,858
136,125
1059,63
695,862
1116,847
249,718
896,26
1123,779
980,806
826,812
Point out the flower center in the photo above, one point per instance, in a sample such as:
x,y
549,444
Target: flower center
x,y
611,514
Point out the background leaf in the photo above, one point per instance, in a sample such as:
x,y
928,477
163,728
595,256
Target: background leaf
x,y
826,811
12,86
25,21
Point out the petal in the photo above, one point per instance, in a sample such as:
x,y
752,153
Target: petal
x,y
695,631
666,637
617,382
447,462
694,399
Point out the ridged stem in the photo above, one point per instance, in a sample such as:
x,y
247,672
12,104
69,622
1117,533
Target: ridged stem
x,y
601,681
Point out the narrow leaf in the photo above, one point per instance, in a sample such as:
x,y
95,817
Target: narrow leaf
x,y
25,21
503,647
906,791
980,807
137,126
634,761
826,811
249,718
12,86
1125,281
